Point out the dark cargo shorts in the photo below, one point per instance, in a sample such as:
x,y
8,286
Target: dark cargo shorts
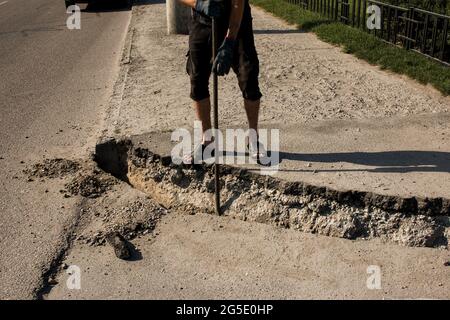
x,y
245,61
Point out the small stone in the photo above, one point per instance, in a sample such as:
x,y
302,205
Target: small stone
x,y
447,263
120,245
64,266
52,281
309,165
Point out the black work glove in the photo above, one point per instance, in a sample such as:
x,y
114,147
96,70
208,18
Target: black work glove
x,y
224,58
211,8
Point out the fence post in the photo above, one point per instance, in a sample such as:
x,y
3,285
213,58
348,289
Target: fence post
x,y
388,26
364,15
382,21
444,39
409,28
359,13
336,9
396,21
353,12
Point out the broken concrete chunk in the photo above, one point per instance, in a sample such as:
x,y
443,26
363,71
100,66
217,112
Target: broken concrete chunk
x,y
120,245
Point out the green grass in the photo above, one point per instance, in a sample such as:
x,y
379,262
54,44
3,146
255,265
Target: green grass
x,y
363,45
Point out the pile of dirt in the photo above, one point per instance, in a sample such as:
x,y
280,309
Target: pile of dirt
x,y
88,181
129,218
91,185
53,168
139,217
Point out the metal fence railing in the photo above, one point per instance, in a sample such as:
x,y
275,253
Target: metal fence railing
x,y
412,28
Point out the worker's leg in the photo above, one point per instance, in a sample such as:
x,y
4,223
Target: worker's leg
x,y
246,67
203,112
252,111
199,69
256,148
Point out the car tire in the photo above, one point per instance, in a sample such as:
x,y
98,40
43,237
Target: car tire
x,y
69,3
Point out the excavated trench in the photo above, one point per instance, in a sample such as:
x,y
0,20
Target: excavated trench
x,y
252,197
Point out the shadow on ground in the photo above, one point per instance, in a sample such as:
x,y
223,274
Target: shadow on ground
x,y
106,6
385,161
286,31
135,253
147,2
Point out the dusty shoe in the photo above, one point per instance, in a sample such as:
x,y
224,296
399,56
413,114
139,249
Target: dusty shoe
x,y
197,155
120,245
256,150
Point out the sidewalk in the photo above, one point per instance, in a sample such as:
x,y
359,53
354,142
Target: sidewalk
x,y
343,123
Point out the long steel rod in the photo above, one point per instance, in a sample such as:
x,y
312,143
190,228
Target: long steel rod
x,y
216,120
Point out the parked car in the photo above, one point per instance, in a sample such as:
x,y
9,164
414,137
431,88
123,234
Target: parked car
x,y
73,2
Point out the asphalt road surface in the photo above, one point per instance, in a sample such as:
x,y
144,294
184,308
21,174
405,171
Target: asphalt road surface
x,y
54,87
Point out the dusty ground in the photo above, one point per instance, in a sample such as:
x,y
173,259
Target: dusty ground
x,y
337,99
302,79
204,257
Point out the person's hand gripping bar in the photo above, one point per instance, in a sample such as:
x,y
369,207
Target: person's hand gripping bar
x,y
224,59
